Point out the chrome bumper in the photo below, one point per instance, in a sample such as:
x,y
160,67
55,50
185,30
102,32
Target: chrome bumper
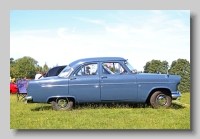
x,y
176,95
28,98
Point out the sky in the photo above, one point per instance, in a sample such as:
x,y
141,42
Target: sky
x,y
58,37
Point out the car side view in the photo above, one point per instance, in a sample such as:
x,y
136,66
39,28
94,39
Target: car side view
x,y
103,80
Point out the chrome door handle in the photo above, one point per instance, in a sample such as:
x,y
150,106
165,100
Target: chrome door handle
x,y
103,77
72,78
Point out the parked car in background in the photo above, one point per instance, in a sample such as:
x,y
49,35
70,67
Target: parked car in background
x,y
54,71
103,80
13,88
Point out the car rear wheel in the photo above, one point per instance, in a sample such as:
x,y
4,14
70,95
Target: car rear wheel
x,y
62,104
160,100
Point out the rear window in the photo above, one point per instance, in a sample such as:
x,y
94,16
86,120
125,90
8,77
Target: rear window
x,y
54,71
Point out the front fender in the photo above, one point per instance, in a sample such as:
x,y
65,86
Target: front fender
x,y
145,93
159,87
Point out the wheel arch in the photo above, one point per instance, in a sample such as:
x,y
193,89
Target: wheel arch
x,y
53,98
162,89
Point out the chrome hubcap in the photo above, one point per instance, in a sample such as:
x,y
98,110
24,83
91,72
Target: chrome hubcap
x,y
161,100
62,103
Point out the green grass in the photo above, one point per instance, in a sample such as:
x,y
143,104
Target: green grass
x,y
42,116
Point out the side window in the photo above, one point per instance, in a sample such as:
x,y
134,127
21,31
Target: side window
x,y
113,68
89,69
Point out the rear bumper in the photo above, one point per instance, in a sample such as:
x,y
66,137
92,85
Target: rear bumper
x,y
176,95
28,98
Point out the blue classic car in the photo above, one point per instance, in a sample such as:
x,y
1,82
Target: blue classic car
x,y
103,80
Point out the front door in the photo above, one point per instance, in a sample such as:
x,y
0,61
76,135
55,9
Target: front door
x,y
117,83
84,83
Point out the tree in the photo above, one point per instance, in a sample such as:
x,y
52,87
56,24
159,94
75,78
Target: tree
x,y
182,67
156,66
45,68
38,68
164,67
12,61
146,67
23,67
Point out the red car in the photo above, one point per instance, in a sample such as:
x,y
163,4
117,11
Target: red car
x,y
13,88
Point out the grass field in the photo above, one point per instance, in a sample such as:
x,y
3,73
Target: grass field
x,y
42,116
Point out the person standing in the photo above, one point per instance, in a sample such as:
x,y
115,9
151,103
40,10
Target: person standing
x,y
38,75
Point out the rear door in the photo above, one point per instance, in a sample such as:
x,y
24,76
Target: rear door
x,y
84,83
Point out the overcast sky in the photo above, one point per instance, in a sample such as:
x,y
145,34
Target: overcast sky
x,y
62,36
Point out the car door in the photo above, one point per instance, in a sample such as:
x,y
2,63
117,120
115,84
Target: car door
x,y
117,83
84,83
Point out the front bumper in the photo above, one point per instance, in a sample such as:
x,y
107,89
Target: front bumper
x,y
29,98
176,95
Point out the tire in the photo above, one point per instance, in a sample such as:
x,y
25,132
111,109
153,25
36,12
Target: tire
x,y
62,104
160,100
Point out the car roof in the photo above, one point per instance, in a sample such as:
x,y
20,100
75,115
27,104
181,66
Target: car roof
x,y
95,59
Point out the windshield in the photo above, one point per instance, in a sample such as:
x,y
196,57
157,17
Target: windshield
x,y
130,67
65,72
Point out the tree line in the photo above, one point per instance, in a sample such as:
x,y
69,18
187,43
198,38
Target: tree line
x,y
178,67
27,66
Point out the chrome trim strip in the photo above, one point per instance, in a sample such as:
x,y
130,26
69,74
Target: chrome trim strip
x,y
109,84
155,82
118,83
70,85
140,83
53,85
84,84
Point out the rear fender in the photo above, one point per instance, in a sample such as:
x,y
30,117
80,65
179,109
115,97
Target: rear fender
x,y
53,98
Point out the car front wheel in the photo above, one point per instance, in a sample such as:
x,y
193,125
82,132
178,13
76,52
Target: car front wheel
x,y
160,100
62,104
